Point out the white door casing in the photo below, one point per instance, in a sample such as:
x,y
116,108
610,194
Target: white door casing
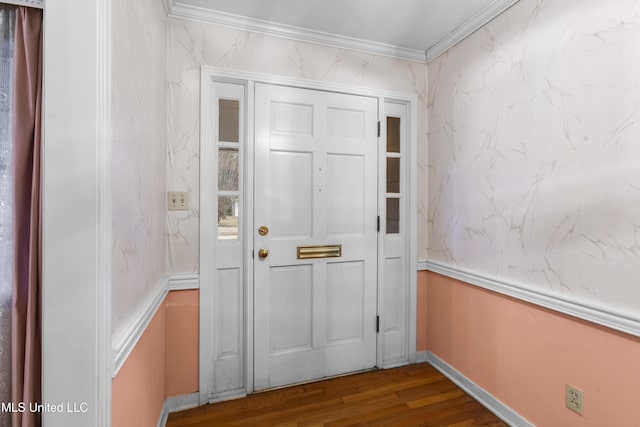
x,y
239,318
315,185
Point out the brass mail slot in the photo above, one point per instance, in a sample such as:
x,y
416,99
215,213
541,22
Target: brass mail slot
x,y
326,251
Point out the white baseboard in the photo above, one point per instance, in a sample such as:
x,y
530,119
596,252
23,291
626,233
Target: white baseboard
x,y
421,356
178,403
501,410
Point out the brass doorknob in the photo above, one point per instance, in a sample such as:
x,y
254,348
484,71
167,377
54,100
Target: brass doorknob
x,y
263,252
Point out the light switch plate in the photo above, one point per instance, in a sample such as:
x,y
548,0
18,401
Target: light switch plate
x,y
178,200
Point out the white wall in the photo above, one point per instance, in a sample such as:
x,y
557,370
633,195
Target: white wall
x,y
534,159
139,156
192,45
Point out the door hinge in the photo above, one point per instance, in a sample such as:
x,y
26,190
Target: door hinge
x,y
378,223
377,324
378,129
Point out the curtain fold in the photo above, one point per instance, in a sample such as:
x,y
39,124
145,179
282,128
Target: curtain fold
x,y
26,315
7,39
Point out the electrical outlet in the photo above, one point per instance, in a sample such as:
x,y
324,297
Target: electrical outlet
x,y
574,399
178,200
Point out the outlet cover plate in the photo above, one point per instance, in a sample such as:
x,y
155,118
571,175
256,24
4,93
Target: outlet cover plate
x,y
574,399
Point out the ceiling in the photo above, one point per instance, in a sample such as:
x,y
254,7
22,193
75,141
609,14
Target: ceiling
x,y
412,27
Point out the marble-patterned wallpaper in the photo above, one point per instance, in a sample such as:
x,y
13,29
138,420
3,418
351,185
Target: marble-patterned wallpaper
x,y
534,153
192,44
139,153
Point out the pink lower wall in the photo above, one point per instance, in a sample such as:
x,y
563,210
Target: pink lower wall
x,y
520,353
138,390
164,363
524,354
183,328
421,316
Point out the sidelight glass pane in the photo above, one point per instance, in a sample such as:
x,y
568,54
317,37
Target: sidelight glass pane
x,y
228,120
393,216
393,175
228,212
228,169
393,135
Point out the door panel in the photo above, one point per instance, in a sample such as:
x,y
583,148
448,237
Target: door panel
x,y
290,301
346,212
345,291
291,194
315,185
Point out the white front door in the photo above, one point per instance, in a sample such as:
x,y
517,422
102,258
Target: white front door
x,y
316,193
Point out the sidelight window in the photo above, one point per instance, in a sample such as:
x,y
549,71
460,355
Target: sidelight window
x,y
393,191
229,139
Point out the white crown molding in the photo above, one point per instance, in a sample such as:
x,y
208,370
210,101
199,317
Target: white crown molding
x,y
605,316
422,265
38,4
125,341
237,22
472,25
501,410
168,5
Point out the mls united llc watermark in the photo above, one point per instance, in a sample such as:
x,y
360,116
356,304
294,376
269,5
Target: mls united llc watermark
x,y
67,407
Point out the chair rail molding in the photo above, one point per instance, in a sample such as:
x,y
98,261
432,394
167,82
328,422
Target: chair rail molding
x,y
125,341
604,316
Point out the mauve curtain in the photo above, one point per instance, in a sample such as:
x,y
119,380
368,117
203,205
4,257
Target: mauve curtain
x,y
26,325
7,39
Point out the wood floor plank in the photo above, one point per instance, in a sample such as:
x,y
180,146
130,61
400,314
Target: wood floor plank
x,y
414,395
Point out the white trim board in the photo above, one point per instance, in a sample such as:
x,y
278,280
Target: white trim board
x,y
37,4
501,410
225,74
243,23
104,279
76,295
125,341
605,316
476,22
184,282
192,13
175,404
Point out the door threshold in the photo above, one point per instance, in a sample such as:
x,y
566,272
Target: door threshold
x,y
375,368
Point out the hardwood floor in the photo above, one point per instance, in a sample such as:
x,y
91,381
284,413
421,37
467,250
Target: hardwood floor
x,y
415,395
